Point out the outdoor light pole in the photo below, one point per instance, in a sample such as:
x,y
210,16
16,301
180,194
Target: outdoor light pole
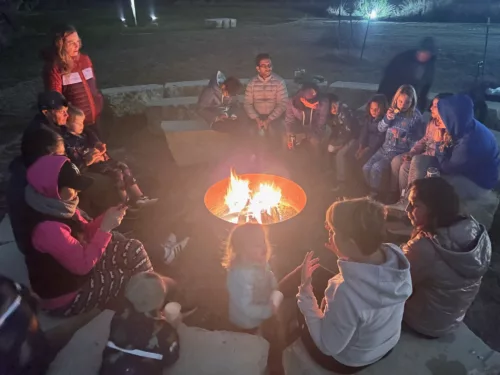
x,y
485,46
372,16
132,5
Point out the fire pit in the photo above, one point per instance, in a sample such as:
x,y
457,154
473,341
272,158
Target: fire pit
x,y
255,198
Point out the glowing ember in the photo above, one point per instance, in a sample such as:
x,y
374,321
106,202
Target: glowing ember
x,y
245,205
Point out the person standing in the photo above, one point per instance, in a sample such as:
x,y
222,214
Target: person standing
x,y
266,96
413,67
71,73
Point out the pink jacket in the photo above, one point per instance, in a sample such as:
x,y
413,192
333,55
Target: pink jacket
x,y
55,238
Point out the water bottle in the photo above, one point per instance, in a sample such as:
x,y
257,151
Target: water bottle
x,y
432,172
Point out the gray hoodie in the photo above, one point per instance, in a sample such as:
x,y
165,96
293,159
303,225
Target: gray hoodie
x,y
446,271
364,309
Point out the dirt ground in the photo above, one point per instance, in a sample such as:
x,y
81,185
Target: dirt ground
x,y
181,49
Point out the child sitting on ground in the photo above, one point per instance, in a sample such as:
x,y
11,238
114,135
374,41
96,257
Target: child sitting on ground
x,y
87,152
250,281
344,137
141,341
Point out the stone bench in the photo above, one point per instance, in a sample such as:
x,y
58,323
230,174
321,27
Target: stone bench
x,y
131,100
202,352
458,353
220,23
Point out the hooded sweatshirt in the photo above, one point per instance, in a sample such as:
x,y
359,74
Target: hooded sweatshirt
x,y
402,132
250,288
474,153
364,309
306,120
344,126
53,238
446,271
212,103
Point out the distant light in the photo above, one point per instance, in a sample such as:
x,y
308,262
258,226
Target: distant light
x,y
373,14
122,19
153,18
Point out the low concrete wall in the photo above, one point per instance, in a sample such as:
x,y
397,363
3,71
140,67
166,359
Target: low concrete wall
x,y
131,100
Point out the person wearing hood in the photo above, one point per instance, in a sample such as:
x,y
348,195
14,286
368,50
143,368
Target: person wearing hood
x,y
448,253
307,113
74,265
71,73
471,163
218,102
359,319
34,144
414,67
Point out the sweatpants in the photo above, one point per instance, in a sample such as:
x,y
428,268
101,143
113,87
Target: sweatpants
x,y
375,168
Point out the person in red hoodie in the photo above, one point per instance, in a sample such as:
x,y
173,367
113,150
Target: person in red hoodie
x,y
74,265
71,73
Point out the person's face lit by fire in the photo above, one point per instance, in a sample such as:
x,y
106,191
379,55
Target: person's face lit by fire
x,y
225,91
57,116
424,56
417,211
334,108
403,102
72,44
265,68
435,114
375,110
76,124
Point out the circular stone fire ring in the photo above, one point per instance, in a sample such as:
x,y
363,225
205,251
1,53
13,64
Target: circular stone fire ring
x,y
292,202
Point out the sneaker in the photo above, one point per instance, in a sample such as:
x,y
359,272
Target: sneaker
x,y
173,250
145,201
170,241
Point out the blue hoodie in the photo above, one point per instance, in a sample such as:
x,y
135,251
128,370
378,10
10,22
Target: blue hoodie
x,y
474,153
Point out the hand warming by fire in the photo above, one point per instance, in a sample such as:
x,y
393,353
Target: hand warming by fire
x,y
246,205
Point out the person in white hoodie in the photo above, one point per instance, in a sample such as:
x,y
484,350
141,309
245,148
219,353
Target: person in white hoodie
x,y
359,322
250,281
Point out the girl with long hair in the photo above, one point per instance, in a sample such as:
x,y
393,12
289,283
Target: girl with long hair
x,y
448,253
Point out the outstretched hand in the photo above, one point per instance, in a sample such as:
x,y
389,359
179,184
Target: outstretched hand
x,y
309,265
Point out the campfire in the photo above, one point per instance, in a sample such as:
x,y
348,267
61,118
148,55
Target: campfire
x,y
255,198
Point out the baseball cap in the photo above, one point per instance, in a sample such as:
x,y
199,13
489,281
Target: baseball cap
x,y
51,100
70,176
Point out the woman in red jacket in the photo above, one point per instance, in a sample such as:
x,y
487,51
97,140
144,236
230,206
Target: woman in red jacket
x,y
74,265
71,73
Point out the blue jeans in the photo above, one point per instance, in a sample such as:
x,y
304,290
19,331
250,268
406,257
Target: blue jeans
x,y
376,167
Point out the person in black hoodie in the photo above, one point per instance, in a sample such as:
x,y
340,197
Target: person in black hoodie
x,y
413,67
343,141
53,112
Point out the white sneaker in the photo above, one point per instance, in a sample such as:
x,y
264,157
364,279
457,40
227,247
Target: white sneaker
x,y
145,201
172,250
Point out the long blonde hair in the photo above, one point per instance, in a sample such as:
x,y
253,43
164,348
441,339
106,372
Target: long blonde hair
x,y
238,239
361,220
412,94
64,61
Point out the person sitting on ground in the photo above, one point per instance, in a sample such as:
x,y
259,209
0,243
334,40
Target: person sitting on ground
x,y
74,265
88,153
52,112
413,165
266,95
141,341
403,127
34,144
250,281
343,138
471,164
371,139
24,349
307,113
448,253
218,103
414,67
359,320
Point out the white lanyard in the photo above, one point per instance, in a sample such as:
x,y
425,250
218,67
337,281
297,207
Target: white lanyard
x,y
139,353
12,308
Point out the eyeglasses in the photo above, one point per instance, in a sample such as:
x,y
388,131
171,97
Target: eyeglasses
x,y
269,66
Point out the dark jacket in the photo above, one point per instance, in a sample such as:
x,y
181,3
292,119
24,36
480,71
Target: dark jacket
x,y
211,103
77,146
405,69
474,152
79,86
301,119
40,121
16,205
446,271
370,136
344,126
